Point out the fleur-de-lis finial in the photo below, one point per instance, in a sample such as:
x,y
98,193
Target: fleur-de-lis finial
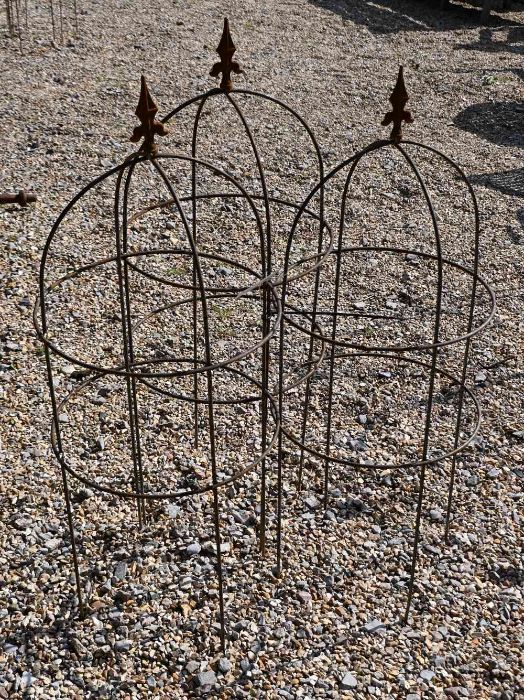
x,y
398,114
226,65
149,126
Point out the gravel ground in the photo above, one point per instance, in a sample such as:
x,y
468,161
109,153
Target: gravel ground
x,y
329,627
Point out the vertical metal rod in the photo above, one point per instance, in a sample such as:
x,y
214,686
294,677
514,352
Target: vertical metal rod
x,y
305,411
129,321
135,448
266,268
433,371
280,432
53,23
338,254
194,275
264,416
67,496
210,398
61,21
331,370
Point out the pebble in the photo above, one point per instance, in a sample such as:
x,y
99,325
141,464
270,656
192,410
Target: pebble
x,y
436,515
206,678
194,549
348,681
120,570
374,626
224,665
427,674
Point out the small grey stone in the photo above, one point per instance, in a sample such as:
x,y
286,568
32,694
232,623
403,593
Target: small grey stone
x,y
243,517
192,666
120,570
436,515
304,597
122,645
312,502
472,480
358,445
172,510
151,682
349,681
21,523
427,674
224,665
206,678
194,549
493,473
374,626
100,443
456,692
413,696
26,681
83,494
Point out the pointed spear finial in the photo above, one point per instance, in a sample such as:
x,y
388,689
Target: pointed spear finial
x,y
149,126
226,65
398,114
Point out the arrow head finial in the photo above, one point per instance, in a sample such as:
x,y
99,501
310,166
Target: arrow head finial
x,y
398,98
226,65
145,111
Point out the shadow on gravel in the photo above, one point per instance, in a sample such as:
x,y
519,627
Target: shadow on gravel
x,y
389,16
501,123
507,182
487,41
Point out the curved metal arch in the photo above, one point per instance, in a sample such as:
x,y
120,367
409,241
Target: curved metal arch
x,y
54,229
176,373
261,280
404,465
161,495
289,316
133,160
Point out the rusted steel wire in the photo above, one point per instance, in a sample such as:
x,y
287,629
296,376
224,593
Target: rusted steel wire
x,y
403,353
269,289
62,16
22,198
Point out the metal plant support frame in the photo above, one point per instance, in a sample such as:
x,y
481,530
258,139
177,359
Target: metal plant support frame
x,y
432,345
269,289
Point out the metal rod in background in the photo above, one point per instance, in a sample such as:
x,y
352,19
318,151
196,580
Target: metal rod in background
x,y
23,198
